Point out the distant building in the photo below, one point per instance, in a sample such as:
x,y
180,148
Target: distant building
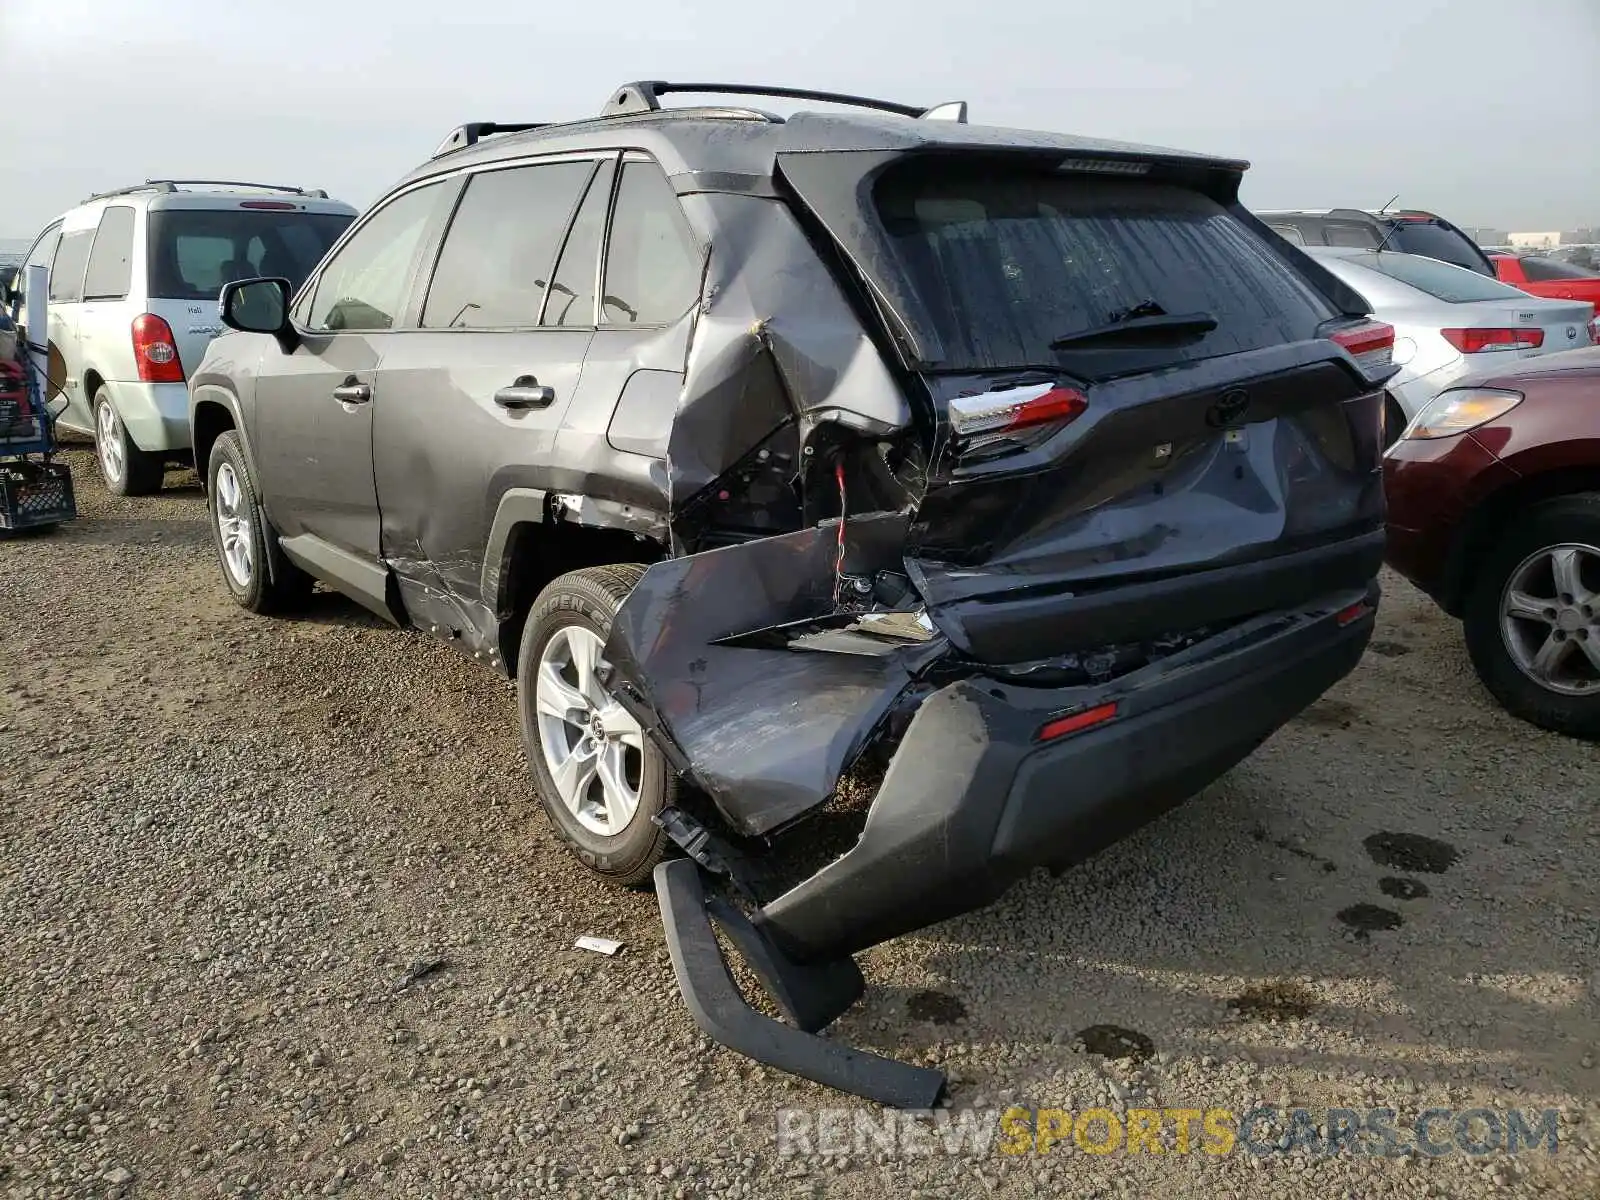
x,y
1535,241
1490,237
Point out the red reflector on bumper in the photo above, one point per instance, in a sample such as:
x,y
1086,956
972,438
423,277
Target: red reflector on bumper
x,y
1355,612
1077,722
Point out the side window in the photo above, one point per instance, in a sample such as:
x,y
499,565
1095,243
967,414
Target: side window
x,y
572,293
652,262
1289,233
495,266
66,273
1343,233
111,259
364,285
42,255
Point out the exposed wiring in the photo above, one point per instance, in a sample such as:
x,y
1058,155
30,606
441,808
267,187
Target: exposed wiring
x,y
839,560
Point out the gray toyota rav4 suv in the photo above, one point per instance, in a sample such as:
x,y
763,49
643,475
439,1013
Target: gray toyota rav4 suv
x,y
1027,474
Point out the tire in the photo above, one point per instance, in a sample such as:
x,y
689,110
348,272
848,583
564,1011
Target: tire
x,y
127,470
1394,421
574,611
1570,704
234,506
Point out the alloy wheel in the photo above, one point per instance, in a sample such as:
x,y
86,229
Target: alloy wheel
x,y
113,457
1550,618
233,526
593,748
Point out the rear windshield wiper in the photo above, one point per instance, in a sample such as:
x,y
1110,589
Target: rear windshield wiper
x,y
1151,328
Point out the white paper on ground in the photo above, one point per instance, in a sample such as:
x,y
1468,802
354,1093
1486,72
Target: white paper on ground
x,y
599,945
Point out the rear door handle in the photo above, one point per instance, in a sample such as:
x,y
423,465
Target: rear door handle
x,y
526,392
353,391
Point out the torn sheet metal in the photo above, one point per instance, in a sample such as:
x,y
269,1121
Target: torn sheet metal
x,y
766,728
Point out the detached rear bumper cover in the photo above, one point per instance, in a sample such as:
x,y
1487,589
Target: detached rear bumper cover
x,y
972,800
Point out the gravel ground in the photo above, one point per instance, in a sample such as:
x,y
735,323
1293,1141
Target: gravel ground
x,y
225,842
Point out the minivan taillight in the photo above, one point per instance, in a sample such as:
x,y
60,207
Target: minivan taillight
x,y
1370,343
1480,341
155,352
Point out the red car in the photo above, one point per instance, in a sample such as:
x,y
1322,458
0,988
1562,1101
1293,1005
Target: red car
x,y
1494,511
1547,277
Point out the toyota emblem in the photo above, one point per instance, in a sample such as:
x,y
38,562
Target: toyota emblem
x,y
1230,406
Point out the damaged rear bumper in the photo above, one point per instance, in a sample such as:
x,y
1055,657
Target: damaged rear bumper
x,y
973,799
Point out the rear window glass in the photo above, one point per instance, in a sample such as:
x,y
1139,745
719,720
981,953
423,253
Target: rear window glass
x,y
1435,241
1550,270
1455,285
194,251
1005,264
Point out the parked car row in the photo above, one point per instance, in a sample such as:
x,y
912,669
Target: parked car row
x,y
755,448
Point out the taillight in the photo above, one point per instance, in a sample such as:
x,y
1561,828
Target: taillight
x,y
996,416
1480,341
270,205
1370,343
155,352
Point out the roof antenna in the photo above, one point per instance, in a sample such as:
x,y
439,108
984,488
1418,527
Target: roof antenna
x,y
1394,226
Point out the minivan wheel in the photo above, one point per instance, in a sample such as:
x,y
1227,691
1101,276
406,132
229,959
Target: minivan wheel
x,y
1533,617
127,470
600,779
243,539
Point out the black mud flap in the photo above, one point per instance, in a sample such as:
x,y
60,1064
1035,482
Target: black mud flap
x,y
811,996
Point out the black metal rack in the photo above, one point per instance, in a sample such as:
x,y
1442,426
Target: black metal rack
x,y
644,96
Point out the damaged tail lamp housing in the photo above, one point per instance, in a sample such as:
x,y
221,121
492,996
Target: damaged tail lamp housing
x,y
1015,417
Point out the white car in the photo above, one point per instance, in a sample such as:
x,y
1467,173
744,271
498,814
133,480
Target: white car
x,y
1449,322
134,279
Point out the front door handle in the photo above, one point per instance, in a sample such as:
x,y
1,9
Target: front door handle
x,y
526,392
353,391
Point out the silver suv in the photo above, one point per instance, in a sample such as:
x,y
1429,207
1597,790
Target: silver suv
x,y
134,279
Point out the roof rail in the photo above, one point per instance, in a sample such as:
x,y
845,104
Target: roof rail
x,y
172,185
152,186
644,96
315,193
473,132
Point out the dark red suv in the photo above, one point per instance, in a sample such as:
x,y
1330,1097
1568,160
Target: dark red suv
x,y
1494,511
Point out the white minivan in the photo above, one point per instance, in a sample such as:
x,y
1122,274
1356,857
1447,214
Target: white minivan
x,y
134,278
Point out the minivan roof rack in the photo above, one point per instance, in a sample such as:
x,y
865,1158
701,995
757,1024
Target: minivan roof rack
x,y
172,185
644,96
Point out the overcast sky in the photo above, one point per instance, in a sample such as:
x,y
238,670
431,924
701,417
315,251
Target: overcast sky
x,y
1485,111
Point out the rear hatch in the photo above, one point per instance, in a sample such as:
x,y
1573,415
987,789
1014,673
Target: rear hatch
x,y
1142,422
1434,237
196,242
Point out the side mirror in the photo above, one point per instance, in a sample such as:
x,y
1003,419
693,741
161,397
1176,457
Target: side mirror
x,y
259,306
